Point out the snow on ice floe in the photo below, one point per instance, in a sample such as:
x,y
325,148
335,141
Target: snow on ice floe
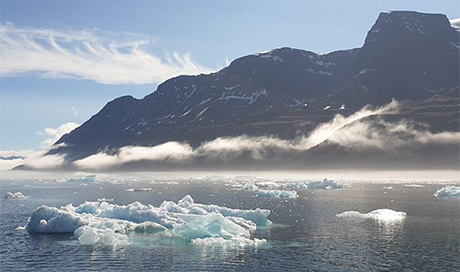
x,y
388,188
277,193
381,215
95,223
17,195
448,191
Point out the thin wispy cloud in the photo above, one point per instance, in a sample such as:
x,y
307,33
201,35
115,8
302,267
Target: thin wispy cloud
x,y
101,56
75,112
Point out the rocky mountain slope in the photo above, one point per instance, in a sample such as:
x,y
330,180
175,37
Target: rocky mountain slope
x,y
409,56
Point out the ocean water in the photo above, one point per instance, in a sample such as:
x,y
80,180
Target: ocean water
x,y
306,235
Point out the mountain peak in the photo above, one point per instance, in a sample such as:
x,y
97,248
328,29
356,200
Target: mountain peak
x,y
409,22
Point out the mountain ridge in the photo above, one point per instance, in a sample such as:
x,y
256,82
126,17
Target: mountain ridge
x,y
406,55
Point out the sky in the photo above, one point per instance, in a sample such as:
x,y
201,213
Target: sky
x,y
62,61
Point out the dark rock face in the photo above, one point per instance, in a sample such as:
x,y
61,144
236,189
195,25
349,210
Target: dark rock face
x,y
284,92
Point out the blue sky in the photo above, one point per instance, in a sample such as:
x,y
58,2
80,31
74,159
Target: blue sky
x,y
63,57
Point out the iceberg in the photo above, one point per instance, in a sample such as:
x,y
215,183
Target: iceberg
x,y
17,195
249,186
381,215
448,191
277,193
324,184
103,223
296,185
88,178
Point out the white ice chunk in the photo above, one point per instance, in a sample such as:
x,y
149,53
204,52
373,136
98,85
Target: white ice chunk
x,y
381,215
325,184
88,178
139,190
296,185
414,185
249,186
268,184
17,195
103,223
448,191
277,193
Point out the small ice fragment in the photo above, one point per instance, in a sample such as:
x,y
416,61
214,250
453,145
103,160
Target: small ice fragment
x,y
140,190
268,184
325,184
88,178
448,191
249,186
414,185
105,199
381,215
17,195
277,193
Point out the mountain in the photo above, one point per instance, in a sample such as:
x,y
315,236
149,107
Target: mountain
x,y
408,56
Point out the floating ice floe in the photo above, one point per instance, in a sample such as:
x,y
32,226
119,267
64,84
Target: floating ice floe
x,y
95,223
325,184
414,185
296,185
17,195
448,191
139,190
249,186
269,184
388,188
88,178
277,193
381,215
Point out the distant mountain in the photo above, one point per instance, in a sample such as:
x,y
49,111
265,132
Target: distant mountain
x,y
407,55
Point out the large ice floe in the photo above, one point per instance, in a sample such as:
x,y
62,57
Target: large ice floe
x,y
17,195
102,223
381,215
277,193
448,191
